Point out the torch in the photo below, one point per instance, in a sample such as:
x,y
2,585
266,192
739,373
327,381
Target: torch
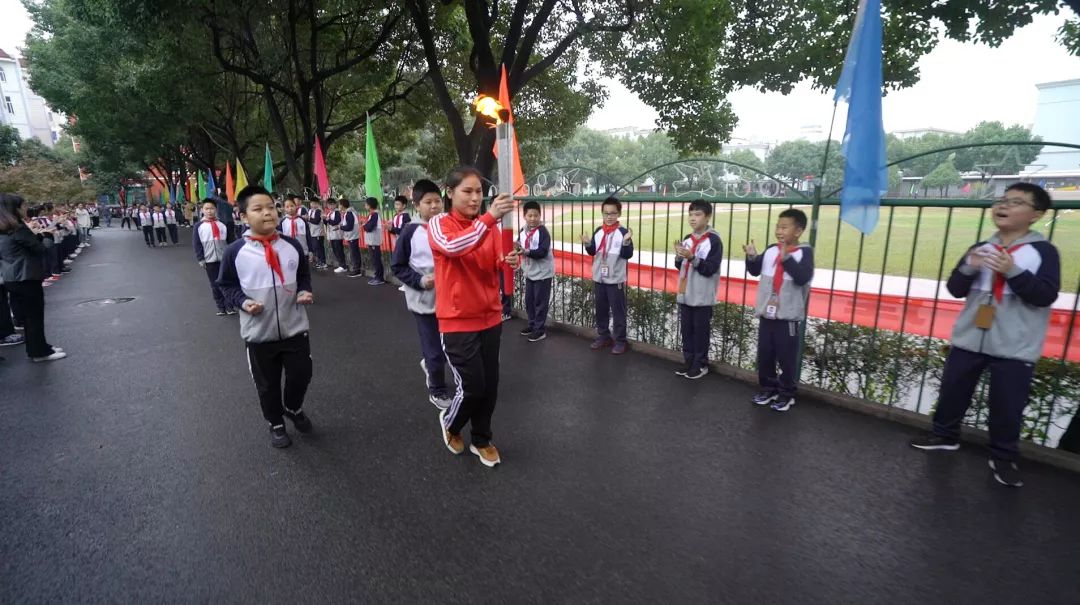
x,y
504,149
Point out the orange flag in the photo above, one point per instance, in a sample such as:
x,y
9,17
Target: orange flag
x,y
230,187
504,100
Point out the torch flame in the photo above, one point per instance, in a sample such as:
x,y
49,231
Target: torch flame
x,y
489,106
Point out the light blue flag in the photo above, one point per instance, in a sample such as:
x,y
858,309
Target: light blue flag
x,y
211,188
865,176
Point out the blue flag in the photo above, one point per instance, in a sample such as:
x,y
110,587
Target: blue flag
x,y
211,188
865,175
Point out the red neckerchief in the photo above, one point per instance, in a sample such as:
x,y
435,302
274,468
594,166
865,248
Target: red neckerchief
x,y
999,279
529,236
608,230
170,213
214,229
695,242
778,272
398,219
271,256
292,220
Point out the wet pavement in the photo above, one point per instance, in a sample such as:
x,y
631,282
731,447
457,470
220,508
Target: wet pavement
x,y
139,470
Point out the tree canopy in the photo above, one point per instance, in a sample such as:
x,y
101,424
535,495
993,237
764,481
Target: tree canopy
x,y
174,85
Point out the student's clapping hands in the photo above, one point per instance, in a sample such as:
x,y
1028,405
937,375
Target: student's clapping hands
x,y
999,261
305,298
252,307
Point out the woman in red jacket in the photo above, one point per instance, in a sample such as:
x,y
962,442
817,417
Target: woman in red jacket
x,y
468,260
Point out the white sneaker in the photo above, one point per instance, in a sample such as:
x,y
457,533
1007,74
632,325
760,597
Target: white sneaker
x,y
82,245
340,270
56,355
68,261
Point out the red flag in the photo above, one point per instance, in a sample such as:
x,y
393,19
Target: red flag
x,y
320,171
230,187
504,100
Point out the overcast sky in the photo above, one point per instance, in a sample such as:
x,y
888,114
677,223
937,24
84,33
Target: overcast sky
x,y
961,85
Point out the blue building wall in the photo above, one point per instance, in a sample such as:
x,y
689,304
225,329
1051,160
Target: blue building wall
x,y
1057,118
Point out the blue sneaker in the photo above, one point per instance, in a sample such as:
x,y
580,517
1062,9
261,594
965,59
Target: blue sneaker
x,y
783,404
765,398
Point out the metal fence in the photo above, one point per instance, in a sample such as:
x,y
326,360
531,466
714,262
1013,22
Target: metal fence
x,y
879,317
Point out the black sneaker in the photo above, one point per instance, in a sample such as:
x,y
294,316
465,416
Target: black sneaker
x,y
221,313
683,370
765,398
507,317
525,331
230,311
933,442
1006,473
278,437
693,374
356,274
783,404
537,337
301,421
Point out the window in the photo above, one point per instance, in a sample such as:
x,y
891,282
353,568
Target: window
x,y
3,76
10,106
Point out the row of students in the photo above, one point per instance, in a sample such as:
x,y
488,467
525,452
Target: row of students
x,y
158,221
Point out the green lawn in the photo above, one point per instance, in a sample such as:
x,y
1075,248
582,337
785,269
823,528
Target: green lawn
x,y
936,230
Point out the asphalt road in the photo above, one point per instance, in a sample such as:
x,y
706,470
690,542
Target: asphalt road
x,y
139,470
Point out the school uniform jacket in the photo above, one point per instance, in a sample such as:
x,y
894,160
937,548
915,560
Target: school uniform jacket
x,y
350,226
83,218
467,269
170,217
1023,313
373,229
159,220
411,261
703,274
333,225
538,262
617,253
207,248
795,289
398,222
314,218
298,230
246,274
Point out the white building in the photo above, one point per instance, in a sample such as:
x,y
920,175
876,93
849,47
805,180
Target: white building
x,y
1056,120
21,108
628,132
915,133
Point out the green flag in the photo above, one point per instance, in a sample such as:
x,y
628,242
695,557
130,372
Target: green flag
x,y
202,187
268,170
372,172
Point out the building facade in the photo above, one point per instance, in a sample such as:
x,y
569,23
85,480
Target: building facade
x,y
1057,118
20,108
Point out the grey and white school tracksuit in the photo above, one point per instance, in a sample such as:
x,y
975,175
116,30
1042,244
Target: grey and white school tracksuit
x,y
698,279
410,262
277,338
538,265
1008,347
610,258
779,315
210,251
298,230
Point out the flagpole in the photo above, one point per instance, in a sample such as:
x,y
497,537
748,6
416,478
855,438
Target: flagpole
x,y
820,181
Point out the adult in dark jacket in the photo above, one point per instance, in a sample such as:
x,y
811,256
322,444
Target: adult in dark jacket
x,y
23,269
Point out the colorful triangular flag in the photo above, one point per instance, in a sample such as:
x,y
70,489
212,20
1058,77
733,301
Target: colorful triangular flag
x,y
230,187
268,170
372,171
320,171
241,176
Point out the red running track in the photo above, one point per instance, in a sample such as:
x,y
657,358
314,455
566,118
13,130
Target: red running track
x,y
920,316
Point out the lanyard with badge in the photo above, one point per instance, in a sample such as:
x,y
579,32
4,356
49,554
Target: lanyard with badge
x,y
772,307
688,263
984,315
603,251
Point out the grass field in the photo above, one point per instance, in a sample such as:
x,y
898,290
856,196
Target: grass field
x,y
657,228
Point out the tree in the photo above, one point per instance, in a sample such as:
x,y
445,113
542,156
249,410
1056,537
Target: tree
x,y
746,158
996,160
942,177
800,161
9,145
